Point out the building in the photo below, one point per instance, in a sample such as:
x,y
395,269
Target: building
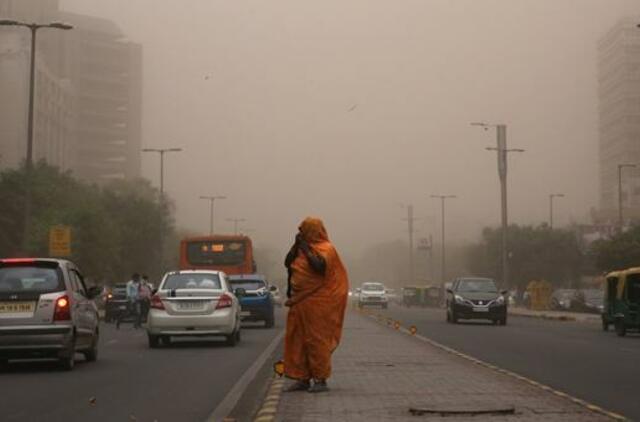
x,y
619,111
87,97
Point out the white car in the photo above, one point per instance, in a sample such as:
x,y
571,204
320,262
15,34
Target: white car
x,y
194,303
372,294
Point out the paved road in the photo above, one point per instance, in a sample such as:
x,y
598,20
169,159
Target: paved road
x,y
131,382
577,358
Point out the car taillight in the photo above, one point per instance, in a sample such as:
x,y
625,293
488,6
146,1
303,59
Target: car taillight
x,y
156,302
109,296
62,310
224,301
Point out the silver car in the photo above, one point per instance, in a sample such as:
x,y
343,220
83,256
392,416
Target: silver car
x,y
46,311
194,303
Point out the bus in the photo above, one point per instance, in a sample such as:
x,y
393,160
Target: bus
x,y
231,254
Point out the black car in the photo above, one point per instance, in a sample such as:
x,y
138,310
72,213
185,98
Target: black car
x,y
476,298
115,302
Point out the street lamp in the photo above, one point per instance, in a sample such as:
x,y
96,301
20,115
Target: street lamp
x,y
443,198
212,200
235,222
502,153
33,27
551,197
620,217
410,222
162,152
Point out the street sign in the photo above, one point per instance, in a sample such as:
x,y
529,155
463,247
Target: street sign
x,y
60,241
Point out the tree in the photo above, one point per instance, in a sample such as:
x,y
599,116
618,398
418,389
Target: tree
x,y
535,253
620,252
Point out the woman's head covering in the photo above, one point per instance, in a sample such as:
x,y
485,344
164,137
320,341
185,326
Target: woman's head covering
x,y
313,230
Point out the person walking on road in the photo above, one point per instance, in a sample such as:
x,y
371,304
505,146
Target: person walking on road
x,y
144,296
319,291
133,302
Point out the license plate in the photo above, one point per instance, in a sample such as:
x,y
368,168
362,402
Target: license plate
x,y
245,313
17,307
189,305
480,309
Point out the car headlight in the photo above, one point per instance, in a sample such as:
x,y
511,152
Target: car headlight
x,y
459,299
500,300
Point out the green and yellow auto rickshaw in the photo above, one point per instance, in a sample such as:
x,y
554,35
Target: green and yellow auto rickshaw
x,y
622,301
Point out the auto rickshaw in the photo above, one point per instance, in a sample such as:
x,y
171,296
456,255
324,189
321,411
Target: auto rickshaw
x,y
622,301
411,296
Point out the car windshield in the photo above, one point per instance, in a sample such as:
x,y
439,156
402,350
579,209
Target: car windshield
x,y
477,285
373,287
248,284
30,279
192,281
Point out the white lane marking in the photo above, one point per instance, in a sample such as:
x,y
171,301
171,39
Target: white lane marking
x,y
231,399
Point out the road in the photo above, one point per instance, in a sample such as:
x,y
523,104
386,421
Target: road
x,y
577,358
130,382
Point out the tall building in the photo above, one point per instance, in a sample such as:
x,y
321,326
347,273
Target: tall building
x,y
87,96
619,110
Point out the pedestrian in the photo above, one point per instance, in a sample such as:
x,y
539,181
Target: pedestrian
x,y
144,295
133,304
319,292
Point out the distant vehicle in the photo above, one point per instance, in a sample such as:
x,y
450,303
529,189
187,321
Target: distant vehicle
x,y
46,311
256,302
566,300
194,303
230,254
593,301
476,298
116,302
372,294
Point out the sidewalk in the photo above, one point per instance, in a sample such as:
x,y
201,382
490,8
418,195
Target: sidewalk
x,y
555,315
380,373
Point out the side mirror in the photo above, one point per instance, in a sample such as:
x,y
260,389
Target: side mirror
x,y
240,292
94,292
273,288
450,291
503,292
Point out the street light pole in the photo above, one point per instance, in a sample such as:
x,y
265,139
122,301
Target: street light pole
x,y
33,27
443,268
212,200
162,152
235,222
551,198
620,217
502,153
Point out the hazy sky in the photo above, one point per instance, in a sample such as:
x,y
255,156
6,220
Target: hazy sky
x,y
345,109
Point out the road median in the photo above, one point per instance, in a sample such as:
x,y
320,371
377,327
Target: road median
x,y
383,371
554,315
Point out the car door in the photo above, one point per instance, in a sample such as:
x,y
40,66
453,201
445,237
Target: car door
x,y
79,307
90,310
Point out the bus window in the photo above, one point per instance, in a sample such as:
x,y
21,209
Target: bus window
x,y
216,252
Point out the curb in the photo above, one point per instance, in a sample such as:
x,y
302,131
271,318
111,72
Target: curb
x,y
269,408
545,316
389,322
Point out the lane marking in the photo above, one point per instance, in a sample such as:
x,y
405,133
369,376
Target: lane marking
x,y
231,399
589,406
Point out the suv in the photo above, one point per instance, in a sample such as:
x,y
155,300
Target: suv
x,y
372,294
476,298
115,303
256,301
46,311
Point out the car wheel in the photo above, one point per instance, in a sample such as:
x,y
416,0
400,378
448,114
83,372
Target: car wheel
x,y
621,330
605,325
91,355
232,339
454,317
154,341
166,340
269,322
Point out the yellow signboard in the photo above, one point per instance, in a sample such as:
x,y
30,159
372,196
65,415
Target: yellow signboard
x,y
60,241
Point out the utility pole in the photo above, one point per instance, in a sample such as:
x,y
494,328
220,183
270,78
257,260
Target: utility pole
x,y
443,268
410,220
551,197
620,216
235,222
33,27
212,200
502,153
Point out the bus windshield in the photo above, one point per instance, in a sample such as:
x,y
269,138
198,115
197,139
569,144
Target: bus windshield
x,y
218,252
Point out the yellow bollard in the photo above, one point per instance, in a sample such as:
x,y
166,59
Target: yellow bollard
x,y
413,330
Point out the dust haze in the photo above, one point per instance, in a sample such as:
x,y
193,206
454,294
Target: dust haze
x,y
352,110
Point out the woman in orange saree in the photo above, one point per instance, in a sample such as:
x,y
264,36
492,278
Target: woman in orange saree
x,y
318,299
